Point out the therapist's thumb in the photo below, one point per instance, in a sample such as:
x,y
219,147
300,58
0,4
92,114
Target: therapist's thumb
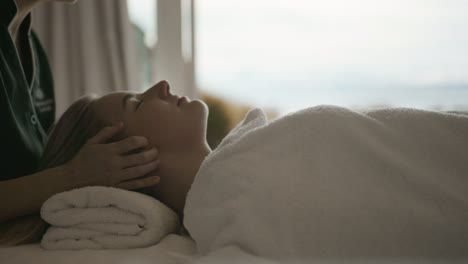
x,y
105,134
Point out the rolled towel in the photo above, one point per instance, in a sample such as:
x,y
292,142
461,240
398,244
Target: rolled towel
x,y
105,218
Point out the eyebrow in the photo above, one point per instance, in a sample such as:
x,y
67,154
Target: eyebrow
x,y
124,100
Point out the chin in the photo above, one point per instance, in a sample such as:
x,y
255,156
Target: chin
x,y
199,114
201,106
206,109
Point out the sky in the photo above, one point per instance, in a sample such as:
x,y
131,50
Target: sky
x,y
291,54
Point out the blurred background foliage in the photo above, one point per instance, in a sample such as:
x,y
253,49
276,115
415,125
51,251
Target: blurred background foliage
x,y
224,115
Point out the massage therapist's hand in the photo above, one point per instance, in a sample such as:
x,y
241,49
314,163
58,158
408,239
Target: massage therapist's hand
x,y
98,163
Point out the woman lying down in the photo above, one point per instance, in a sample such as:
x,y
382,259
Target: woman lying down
x,y
321,182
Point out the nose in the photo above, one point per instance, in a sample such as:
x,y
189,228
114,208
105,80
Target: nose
x,y
160,89
163,84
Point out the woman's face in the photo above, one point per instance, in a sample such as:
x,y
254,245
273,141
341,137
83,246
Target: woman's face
x,y
155,115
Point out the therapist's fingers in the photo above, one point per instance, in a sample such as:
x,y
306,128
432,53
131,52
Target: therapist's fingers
x,y
139,183
105,134
138,171
140,158
129,144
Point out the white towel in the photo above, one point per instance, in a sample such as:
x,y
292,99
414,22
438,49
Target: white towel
x,y
329,182
105,218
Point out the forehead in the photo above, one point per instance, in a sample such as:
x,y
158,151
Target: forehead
x,y
113,98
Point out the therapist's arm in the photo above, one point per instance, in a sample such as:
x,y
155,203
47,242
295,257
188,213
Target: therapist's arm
x,y
20,202
25,195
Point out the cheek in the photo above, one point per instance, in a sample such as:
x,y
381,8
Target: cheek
x,y
146,126
136,128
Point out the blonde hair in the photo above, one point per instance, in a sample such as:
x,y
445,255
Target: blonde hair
x,y
66,137
75,127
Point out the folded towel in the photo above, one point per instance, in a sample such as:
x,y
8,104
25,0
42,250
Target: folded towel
x,y
105,218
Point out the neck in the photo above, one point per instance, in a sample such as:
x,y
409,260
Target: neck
x,y
24,8
177,172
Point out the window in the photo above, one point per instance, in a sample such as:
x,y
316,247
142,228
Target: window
x,y
142,14
292,54
166,28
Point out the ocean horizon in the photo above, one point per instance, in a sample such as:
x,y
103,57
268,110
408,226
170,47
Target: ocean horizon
x,y
283,101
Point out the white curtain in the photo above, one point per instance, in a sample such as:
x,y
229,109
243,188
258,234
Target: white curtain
x,y
90,46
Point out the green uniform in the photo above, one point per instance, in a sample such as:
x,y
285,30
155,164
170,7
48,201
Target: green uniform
x,y
27,104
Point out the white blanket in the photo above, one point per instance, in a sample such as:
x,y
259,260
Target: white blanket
x,y
171,249
329,182
105,218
